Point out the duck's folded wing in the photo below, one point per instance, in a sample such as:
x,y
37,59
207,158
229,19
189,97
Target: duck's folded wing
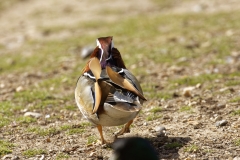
x,y
118,97
125,82
123,102
132,79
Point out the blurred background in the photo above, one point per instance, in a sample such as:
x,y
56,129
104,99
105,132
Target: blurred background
x,y
184,52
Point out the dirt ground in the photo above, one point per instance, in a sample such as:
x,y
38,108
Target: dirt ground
x,y
188,136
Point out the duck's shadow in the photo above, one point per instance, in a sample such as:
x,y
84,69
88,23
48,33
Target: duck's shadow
x,y
159,147
168,147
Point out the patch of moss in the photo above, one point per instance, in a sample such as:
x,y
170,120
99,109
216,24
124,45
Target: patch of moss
x,y
65,127
156,109
62,156
237,142
192,148
29,96
7,108
5,147
75,131
4,121
185,108
173,145
33,152
71,108
91,139
193,80
43,132
236,112
153,117
236,99
233,83
26,120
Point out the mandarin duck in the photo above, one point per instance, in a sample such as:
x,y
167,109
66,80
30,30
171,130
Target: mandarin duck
x,y
108,94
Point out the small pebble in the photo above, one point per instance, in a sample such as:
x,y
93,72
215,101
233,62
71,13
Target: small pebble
x,y
161,131
221,123
166,117
32,114
224,89
199,117
187,91
47,116
199,85
197,125
42,157
2,85
18,89
220,106
92,154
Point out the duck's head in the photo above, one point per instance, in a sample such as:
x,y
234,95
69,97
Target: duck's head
x,y
105,46
106,53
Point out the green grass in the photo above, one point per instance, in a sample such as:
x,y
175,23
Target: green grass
x,y
185,109
26,120
71,108
193,80
154,114
155,35
91,139
156,109
153,117
237,142
4,121
236,99
7,110
150,91
236,112
75,131
43,131
66,128
192,148
33,152
232,83
62,156
29,96
173,145
5,147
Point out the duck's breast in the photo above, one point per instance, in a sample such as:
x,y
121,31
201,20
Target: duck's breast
x,y
83,96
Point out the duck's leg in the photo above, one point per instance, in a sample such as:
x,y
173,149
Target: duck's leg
x,y
99,127
125,129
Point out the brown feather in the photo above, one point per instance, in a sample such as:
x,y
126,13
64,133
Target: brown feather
x,y
98,95
95,67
